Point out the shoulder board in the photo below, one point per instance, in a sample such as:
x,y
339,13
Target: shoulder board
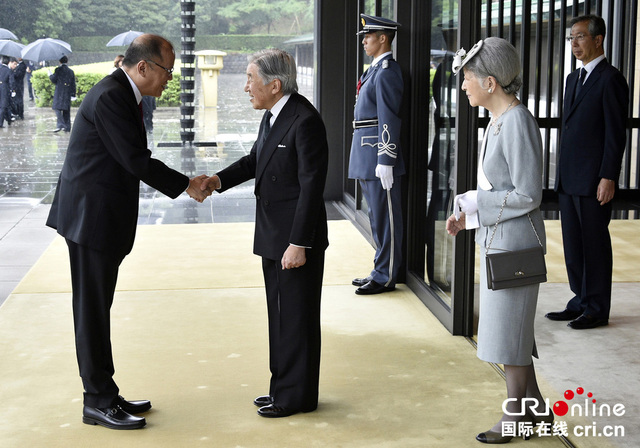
x,y
385,63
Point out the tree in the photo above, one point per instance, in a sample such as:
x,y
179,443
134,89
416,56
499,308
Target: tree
x,y
246,16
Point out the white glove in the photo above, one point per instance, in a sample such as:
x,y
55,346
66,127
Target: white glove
x,y
73,98
50,73
385,173
466,203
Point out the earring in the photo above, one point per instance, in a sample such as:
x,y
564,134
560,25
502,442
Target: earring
x,y
490,90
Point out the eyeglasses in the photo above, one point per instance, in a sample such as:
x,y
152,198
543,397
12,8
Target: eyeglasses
x,y
578,38
168,70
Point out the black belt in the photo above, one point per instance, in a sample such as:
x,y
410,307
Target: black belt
x,y
357,124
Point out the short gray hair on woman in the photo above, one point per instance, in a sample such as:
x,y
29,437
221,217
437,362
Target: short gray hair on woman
x,y
497,58
276,64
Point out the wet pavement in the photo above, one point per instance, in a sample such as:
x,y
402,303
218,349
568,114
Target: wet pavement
x,y
31,157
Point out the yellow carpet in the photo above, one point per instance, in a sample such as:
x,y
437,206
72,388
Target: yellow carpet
x,y
190,333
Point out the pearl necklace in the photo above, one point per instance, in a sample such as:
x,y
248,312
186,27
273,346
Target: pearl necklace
x,y
494,119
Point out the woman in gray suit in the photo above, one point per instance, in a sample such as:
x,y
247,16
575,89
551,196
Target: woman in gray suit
x,y
510,167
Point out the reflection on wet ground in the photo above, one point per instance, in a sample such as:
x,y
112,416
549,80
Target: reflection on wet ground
x,y
32,155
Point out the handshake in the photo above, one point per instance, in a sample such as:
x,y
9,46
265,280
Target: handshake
x,y
203,186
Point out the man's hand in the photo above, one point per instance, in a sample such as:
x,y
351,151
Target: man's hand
x,y
294,257
385,173
211,184
194,190
606,190
456,225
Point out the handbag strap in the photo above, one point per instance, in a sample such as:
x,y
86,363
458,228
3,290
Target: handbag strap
x,y
495,227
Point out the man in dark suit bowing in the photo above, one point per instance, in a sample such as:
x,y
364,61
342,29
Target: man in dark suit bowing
x,y
589,160
96,209
289,164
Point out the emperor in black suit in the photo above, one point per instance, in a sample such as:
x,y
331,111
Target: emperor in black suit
x,y
289,164
96,209
589,160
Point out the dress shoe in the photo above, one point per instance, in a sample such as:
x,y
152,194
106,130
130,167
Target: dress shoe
x,y
585,322
264,400
133,407
563,315
112,418
273,411
373,287
361,281
57,130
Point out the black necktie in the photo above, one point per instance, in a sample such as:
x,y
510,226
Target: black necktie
x,y
265,128
583,74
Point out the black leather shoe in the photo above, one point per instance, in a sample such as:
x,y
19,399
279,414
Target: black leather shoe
x,y
373,287
112,418
273,411
360,281
133,407
264,400
563,315
57,130
585,322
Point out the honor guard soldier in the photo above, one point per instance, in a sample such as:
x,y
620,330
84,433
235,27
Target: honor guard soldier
x,y
376,158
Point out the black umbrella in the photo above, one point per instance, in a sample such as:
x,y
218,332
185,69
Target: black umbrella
x,y
123,39
6,34
11,48
46,49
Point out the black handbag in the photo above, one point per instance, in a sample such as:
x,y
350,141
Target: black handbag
x,y
510,269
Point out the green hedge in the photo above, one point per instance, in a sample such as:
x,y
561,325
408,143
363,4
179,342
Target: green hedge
x,y
224,42
43,89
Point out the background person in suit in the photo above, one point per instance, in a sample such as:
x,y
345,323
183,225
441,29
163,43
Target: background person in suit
x,y
19,73
95,209
510,167
593,141
6,85
376,159
65,81
289,164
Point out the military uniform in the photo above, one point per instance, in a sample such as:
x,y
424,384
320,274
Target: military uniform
x,y
376,141
65,81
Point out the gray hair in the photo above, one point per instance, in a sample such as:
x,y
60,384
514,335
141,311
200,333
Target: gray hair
x,y
276,64
597,26
497,58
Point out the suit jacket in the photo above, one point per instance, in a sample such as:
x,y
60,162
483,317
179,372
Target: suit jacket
x,y
289,177
512,161
380,97
593,131
65,81
6,84
96,200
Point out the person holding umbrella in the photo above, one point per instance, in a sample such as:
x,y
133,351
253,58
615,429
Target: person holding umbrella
x,y
65,81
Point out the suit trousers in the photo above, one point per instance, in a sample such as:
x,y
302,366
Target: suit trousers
x,y
93,276
293,307
63,117
588,254
385,217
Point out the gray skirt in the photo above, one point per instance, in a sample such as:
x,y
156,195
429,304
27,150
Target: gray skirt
x,y
505,327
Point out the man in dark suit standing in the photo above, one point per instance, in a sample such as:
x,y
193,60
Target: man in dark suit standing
x,y
96,209
18,74
376,158
589,160
289,164
65,81
6,85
